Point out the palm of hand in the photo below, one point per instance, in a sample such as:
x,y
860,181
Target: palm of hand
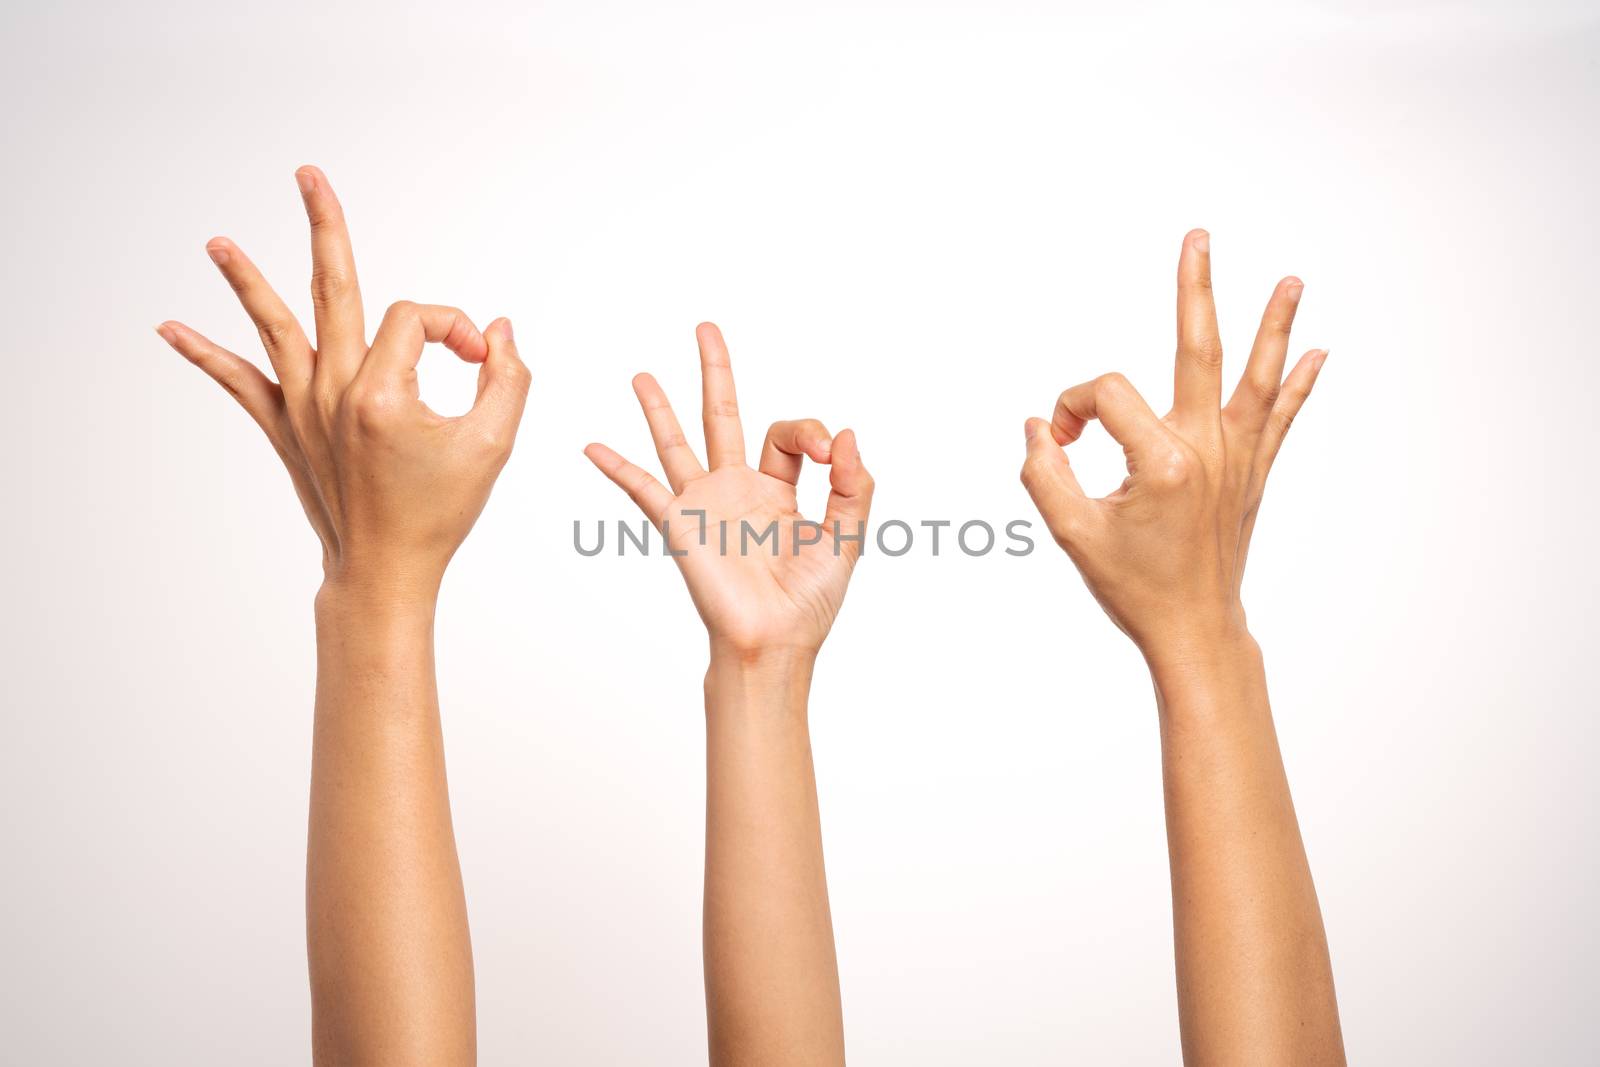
x,y
761,575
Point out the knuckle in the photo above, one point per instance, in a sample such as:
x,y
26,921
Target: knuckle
x,y
1172,470
274,333
1207,351
370,408
1265,391
497,438
401,309
1113,384
324,215
1066,529
329,284
727,409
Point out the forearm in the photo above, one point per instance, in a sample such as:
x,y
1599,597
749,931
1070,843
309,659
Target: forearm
x,y
1254,980
386,921
772,983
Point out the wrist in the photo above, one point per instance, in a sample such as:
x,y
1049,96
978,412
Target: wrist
x,y
346,597
772,679
1190,640
772,661
1205,674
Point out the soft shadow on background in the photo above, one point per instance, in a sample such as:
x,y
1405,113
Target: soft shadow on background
x,y
922,221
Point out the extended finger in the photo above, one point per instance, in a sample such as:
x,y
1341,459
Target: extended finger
x,y
406,327
287,348
1296,387
1113,400
1197,381
335,294
719,406
677,458
1258,387
651,496
254,391
787,445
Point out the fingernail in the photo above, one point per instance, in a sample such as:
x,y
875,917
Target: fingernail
x,y
168,334
505,328
1202,242
218,254
1319,357
826,444
1293,291
306,180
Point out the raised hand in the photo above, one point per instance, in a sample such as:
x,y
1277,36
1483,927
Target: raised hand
x,y
390,487
761,575
772,981
1165,553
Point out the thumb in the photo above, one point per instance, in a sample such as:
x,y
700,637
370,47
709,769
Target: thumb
x,y
503,381
1048,477
850,496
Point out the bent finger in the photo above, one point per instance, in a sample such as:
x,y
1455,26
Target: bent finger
x,y
1113,400
787,445
406,327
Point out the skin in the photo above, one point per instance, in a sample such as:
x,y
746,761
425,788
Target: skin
x,y
772,980
392,490
1164,555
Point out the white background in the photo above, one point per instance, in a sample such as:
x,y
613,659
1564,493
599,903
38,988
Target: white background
x,y
919,220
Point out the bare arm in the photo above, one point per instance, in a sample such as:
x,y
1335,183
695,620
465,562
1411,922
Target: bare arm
x,y
1164,555
1254,980
772,982
391,489
386,919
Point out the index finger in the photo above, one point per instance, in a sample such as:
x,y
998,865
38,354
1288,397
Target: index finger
x,y
397,346
719,406
335,294
1113,400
